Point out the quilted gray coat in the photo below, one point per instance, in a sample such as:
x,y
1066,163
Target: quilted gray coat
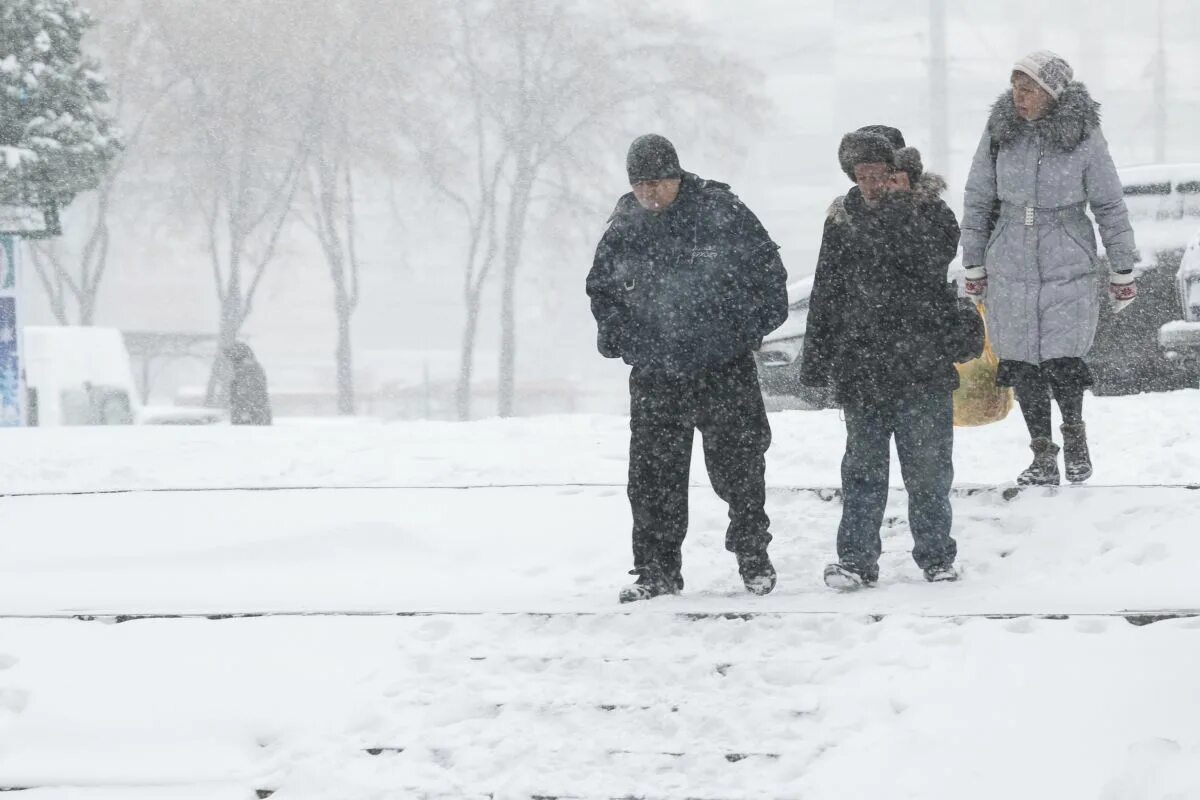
x,y
1041,254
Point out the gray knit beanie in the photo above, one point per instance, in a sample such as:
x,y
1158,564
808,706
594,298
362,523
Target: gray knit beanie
x,y
1049,70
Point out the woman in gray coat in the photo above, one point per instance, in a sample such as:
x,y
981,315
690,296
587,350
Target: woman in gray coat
x,y
1029,246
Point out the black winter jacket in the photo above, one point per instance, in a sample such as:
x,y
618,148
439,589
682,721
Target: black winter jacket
x,y
693,286
883,321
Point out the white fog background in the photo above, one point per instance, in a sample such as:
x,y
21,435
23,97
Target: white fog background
x,y
795,75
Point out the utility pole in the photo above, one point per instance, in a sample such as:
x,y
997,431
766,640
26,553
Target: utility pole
x,y
939,94
1160,90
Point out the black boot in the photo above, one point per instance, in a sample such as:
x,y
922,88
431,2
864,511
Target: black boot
x,y
652,581
1044,469
757,571
1076,458
846,578
942,574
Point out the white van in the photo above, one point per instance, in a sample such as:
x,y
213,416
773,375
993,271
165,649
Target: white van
x,y
83,376
1164,209
1180,338
1130,355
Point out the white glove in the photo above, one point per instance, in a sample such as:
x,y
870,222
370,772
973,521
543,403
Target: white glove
x,y
1122,288
975,283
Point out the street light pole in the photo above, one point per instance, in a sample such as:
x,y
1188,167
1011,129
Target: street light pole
x,y
939,93
1160,90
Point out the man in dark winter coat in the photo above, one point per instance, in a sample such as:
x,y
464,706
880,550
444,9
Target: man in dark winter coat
x,y
884,331
249,403
684,285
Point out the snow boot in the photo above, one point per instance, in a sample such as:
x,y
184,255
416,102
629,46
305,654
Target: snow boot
x,y
847,579
1076,458
757,571
652,581
941,574
1044,469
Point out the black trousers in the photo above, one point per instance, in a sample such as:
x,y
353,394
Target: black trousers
x,y
924,431
1064,379
726,405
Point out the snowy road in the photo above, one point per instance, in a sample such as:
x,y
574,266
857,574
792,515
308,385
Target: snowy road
x,y
580,697
564,549
602,706
524,677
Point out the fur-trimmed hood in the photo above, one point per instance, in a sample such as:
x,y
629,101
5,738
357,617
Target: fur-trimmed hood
x,y
928,189
1069,122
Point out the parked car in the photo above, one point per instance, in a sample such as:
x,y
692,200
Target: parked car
x,y
779,358
1164,209
1180,338
76,375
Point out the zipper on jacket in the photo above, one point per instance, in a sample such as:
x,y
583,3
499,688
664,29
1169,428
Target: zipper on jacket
x,y
1037,173
1037,245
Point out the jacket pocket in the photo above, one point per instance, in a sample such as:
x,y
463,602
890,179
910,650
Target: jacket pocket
x,y
1076,238
996,233
1005,252
1001,224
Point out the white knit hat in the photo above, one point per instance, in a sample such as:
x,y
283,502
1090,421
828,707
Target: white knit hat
x,y
1049,70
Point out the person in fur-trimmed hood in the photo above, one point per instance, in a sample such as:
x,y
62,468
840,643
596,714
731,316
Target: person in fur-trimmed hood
x,y
884,331
1030,249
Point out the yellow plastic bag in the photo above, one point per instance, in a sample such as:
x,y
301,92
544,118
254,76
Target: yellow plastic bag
x,y
978,400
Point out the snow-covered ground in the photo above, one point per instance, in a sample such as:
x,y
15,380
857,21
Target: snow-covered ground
x,y
514,673
1139,439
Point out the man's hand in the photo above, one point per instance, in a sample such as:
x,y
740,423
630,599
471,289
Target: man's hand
x,y
975,283
609,336
1122,288
898,182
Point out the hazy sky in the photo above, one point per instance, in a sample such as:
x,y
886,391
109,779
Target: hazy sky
x,y
828,66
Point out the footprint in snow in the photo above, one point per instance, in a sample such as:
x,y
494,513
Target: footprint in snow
x,y
1150,554
1019,625
1092,624
1147,761
943,639
14,700
433,630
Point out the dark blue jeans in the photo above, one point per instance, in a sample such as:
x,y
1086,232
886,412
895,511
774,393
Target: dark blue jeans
x,y
924,431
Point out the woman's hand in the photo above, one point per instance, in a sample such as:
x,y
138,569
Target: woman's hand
x,y
898,182
975,283
1122,288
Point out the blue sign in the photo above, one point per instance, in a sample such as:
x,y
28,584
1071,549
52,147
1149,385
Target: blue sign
x,y
11,393
8,263
10,364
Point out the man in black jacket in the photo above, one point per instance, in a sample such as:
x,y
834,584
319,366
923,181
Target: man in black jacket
x,y
884,330
684,285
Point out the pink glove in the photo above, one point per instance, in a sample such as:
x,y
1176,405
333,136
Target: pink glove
x,y
1122,288
975,283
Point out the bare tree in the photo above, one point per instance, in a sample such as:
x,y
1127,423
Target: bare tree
x,y
469,176
547,80
330,189
482,248
377,50
478,203
70,273
243,142
54,277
